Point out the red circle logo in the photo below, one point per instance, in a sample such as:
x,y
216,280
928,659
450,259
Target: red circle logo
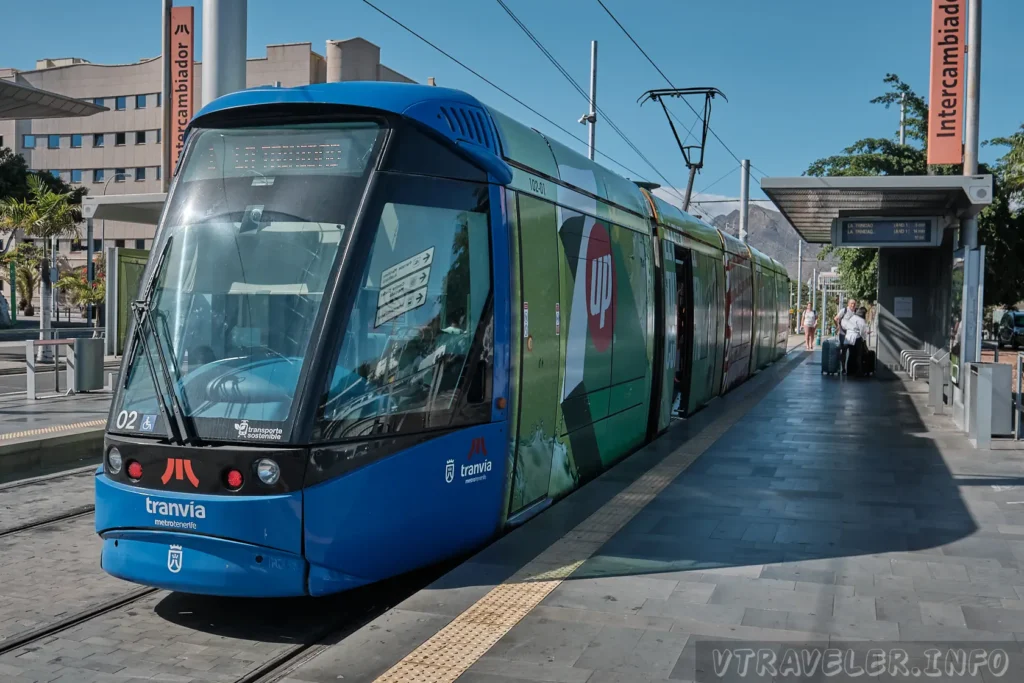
x,y
601,288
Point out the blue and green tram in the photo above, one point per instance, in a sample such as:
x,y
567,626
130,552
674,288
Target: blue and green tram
x,y
382,323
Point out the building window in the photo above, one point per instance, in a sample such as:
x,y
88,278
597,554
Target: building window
x,y
140,173
97,244
140,137
118,175
99,101
157,136
140,244
28,141
76,141
97,140
55,173
97,175
120,103
159,97
158,171
76,176
119,244
76,245
53,141
140,101
2,140
119,139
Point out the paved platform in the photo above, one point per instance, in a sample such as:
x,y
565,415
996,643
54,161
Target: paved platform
x,y
800,509
50,433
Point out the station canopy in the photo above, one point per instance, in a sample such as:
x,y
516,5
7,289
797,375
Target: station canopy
x,y
131,208
811,204
18,101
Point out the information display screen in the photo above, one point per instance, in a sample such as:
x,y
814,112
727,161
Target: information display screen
x,y
887,231
896,231
899,231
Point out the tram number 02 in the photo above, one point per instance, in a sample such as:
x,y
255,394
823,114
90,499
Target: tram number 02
x,y
537,186
127,420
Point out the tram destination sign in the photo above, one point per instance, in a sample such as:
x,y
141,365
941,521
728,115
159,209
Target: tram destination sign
x,y
869,231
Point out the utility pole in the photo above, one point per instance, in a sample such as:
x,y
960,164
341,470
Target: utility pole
x,y
165,95
903,118
591,118
814,298
971,307
744,198
799,280
224,40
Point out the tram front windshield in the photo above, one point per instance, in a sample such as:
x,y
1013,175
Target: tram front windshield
x,y
247,248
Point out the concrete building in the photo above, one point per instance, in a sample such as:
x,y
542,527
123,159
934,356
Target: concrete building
x,y
119,151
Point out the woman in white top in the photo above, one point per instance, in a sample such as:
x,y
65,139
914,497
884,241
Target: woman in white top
x,y
856,328
810,324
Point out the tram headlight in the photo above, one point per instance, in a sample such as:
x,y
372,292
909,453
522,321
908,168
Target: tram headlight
x,y
114,461
268,471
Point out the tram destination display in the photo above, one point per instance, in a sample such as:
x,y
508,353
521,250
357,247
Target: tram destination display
x,y
887,232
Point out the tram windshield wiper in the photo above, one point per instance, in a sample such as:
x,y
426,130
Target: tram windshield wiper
x,y
179,429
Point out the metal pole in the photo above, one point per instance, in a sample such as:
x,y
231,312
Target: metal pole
x,y
744,198
592,119
689,189
971,310
799,282
973,88
90,268
224,29
903,118
165,96
1017,381
814,302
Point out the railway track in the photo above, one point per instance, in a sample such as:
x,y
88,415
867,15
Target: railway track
x,y
66,474
73,513
37,634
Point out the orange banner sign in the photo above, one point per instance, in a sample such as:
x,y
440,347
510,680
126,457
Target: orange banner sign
x,y
182,28
946,91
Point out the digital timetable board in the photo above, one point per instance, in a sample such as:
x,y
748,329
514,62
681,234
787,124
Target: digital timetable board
x,y
869,231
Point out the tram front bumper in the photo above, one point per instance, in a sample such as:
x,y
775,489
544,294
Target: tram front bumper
x,y
192,563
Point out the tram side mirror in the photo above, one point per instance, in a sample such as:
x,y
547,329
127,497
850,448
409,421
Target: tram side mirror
x,y
478,388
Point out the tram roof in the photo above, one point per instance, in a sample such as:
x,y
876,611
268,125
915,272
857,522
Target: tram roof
x,y
488,136
676,219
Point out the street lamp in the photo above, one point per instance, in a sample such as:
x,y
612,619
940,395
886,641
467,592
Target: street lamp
x,y
91,269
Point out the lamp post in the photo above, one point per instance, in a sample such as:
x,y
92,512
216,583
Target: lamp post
x,y
91,270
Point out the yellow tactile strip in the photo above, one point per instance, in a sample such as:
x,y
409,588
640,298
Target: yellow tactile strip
x,y
52,430
452,650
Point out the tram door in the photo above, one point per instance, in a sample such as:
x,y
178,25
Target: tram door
x,y
539,360
684,327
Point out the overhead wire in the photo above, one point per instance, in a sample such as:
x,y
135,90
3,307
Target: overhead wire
x,y
669,186
644,53
502,90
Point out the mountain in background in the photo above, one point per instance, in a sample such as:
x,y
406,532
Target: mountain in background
x,y
770,232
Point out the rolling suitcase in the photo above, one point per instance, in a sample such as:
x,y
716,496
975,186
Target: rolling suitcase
x,y
829,356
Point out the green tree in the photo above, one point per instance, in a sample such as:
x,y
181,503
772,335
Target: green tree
x,y
47,215
999,225
14,179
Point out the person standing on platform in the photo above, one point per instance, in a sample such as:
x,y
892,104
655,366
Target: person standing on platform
x,y
810,325
848,312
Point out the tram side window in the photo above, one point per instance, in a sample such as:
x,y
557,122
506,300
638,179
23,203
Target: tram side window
x,y
419,334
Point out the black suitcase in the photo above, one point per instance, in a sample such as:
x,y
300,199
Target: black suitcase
x,y
829,357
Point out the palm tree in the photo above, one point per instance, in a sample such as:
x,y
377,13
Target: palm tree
x,y
44,214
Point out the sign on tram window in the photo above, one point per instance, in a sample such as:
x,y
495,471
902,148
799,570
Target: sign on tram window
x,y
403,286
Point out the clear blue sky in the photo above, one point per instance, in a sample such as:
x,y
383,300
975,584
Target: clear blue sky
x,y
798,73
